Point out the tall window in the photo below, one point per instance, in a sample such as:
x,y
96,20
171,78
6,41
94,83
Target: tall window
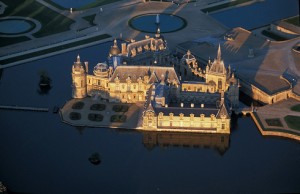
x,y
220,84
223,126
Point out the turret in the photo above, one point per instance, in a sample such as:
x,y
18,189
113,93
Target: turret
x,y
79,87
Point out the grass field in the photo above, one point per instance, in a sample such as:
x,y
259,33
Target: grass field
x,y
90,19
296,108
5,41
293,20
293,121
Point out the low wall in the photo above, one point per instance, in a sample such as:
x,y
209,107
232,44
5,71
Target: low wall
x,y
272,132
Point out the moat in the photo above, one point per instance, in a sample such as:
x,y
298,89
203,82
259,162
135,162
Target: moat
x,y
37,148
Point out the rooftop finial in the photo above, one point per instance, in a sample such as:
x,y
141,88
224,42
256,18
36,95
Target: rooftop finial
x,y
157,19
188,52
78,58
219,53
115,42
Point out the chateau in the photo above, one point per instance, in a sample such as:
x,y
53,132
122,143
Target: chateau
x,y
177,95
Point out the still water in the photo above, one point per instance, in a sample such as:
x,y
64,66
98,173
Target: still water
x,y
14,26
40,154
166,23
258,14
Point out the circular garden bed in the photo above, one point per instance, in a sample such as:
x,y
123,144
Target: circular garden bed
x,y
75,116
118,118
120,108
78,105
98,107
95,117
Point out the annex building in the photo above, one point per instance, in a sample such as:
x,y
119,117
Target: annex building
x,y
177,94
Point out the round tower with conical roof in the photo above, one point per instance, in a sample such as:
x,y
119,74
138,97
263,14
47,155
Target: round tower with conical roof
x,y
79,87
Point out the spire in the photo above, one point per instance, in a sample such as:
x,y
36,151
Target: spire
x,y
78,58
157,35
115,43
219,53
188,53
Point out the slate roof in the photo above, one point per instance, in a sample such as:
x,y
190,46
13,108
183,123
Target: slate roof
x,y
156,73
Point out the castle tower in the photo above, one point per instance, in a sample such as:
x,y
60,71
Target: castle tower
x,y
233,92
217,74
79,87
114,58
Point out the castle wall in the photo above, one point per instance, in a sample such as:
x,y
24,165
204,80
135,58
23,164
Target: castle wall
x,y
194,122
259,95
219,80
79,84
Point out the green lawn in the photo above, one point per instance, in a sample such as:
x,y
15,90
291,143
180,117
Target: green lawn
x,y
95,117
293,20
273,35
118,118
225,5
120,108
293,121
5,41
98,107
90,19
296,108
274,122
75,116
78,105
52,22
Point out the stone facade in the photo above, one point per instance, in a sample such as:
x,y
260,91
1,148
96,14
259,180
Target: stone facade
x,y
144,72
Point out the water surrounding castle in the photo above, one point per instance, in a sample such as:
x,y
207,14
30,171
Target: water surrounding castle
x,y
179,95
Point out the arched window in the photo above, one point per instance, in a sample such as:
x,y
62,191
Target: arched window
x,y
220,84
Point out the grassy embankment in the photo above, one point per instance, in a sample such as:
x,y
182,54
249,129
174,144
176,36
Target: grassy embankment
x,y
293,20
293,121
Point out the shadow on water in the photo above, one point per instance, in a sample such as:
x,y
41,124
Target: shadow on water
x,y
45,83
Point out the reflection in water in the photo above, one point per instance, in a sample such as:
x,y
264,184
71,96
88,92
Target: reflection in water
x,y
219,142
80,129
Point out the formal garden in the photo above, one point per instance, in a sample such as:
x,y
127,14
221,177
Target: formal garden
x,y
95,117
274,122
75,116
98,107
293,121
118,118
52,22
120,108
78,105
